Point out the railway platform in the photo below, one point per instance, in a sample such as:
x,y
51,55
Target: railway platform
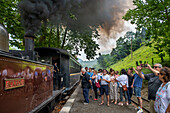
x,y
75,105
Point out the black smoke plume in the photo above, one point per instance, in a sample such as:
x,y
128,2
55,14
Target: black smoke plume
x,y
105,14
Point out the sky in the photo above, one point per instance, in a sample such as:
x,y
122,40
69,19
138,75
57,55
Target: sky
x,y
107,47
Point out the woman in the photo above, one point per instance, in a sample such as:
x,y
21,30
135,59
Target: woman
x,y
94,81
117,75
123,80
112,82
113,87
162,101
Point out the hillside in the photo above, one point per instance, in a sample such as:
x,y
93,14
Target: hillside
x,y
144,53
88,63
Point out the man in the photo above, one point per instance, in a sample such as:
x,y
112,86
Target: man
x,y
86,68
86,84
137,84
91,74
105,80
153,82
130,81
55,78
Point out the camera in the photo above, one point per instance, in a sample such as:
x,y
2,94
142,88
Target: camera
x,y
142,65
131,68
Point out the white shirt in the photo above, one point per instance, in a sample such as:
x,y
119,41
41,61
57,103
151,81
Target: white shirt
x,y
103,82
123,79
112,78
162,98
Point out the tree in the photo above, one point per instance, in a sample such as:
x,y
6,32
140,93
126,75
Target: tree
x,y
101,60
130,36
10,18
155,17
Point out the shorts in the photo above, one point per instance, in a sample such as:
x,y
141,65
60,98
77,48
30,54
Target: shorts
x,y
137,91
104,89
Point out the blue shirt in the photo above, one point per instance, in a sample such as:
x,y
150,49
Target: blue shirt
x,y
137,81
91,74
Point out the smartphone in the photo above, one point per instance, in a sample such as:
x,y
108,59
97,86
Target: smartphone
x,y
144,65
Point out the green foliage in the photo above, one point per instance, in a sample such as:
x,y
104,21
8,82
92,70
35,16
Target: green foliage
x,y
155,17
10,18
144,53
77,42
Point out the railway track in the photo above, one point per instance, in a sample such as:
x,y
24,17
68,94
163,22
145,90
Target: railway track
x,y
145,103
59,105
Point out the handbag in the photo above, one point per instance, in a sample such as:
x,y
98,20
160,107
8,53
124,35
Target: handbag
x,y
97,84
124,87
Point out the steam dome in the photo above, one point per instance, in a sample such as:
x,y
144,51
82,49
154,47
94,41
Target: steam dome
x,y
4,39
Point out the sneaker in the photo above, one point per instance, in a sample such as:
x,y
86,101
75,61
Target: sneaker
x,y
85,103
121,104
95,99
140,111
137,109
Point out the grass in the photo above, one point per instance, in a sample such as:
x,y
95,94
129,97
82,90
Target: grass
x,y
144,53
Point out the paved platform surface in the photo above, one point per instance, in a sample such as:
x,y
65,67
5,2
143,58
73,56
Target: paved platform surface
x,y
93,107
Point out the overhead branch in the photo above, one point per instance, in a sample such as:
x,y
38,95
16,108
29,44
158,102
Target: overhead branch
x,y
64,40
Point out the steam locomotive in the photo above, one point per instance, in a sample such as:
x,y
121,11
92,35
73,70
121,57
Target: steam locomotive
x,y
26,77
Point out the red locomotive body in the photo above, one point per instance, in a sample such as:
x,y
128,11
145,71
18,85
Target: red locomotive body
x,y
24,84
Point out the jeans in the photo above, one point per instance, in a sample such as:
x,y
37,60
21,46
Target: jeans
x,y
129,93
54,83
100,90
104,89
86,94
95,90
121,95
137,91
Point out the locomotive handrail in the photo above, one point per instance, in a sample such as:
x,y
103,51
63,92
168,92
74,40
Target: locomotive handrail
x,y
10,56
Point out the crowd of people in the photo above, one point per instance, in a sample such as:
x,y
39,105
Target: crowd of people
x,y
111,82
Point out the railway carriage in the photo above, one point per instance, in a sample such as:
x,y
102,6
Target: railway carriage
x,y
69,67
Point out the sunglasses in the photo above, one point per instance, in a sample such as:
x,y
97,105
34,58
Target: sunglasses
x,y
160,73
156,67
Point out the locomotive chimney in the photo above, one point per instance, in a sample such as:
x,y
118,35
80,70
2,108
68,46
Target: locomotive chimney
x,y
29,47
29,43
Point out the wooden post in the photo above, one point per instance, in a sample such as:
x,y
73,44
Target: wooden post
x,y
131,50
